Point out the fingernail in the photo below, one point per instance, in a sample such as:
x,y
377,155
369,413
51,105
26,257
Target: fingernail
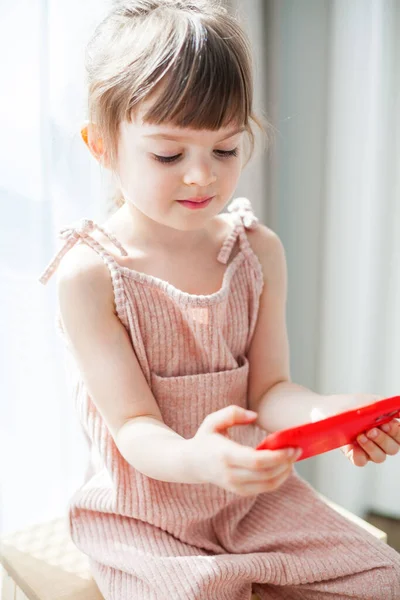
x,y
373,433
250,415
386,427
295,452
363,439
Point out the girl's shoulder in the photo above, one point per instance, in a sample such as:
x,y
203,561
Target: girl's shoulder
x,y
263,239
268,248
80,262
83,269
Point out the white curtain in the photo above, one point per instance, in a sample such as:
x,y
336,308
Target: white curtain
x,y
47,180
332,90
360,284
327,79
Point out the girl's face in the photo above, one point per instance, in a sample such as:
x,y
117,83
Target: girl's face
x,y
161,166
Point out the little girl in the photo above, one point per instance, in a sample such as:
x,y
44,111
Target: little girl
x,y
173,312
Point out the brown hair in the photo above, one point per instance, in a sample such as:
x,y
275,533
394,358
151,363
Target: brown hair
x,y
193,53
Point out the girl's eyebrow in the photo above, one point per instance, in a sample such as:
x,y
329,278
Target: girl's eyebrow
x,y
182,138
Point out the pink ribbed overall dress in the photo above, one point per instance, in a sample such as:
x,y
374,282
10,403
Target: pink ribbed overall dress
x,y
151,540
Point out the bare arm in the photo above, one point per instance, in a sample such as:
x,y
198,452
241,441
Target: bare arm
x,y
112,374
279,402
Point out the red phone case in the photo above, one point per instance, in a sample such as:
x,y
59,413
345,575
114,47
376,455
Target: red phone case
x,y
333,432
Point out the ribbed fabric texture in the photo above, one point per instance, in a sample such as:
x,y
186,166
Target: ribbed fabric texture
x,y
148,539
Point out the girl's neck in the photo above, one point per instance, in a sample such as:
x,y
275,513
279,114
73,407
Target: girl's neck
x,y
136,228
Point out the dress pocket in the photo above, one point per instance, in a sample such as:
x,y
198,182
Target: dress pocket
x,y
186,400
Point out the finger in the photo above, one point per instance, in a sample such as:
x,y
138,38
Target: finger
x,y
373,451
227,417
248,458
384,441
257,487
356,455
393,429
240,476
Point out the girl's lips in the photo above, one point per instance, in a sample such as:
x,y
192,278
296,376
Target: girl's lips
x,y
196,204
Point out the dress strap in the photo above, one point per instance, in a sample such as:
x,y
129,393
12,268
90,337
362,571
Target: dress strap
x,y
244,218
72,235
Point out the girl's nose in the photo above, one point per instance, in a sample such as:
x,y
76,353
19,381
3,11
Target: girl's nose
x,y
200,173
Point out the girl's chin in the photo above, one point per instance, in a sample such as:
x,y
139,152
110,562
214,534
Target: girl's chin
x,y
179,218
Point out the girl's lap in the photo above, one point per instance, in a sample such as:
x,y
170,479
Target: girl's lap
x,y
291,546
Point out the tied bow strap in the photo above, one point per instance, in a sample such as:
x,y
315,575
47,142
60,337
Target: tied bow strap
x,y
72,235
243,208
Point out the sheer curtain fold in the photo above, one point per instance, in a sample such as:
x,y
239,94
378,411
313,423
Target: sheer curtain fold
x,y
47,180
326,77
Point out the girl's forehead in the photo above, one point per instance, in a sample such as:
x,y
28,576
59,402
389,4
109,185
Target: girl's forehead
x,y
170,132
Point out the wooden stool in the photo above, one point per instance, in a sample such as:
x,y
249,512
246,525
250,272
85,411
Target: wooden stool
x,y
42,562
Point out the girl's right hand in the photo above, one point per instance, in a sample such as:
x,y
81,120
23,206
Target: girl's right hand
x,y
233,467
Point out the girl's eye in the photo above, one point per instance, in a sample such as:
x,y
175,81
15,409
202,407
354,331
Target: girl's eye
x,y
172,159
166,159
226,153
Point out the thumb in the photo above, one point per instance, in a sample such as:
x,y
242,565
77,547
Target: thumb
x,y
229,416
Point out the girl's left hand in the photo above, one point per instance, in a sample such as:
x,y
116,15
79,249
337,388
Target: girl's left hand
x,y
373,445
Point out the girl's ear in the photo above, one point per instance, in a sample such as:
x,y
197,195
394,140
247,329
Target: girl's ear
x,y
94,142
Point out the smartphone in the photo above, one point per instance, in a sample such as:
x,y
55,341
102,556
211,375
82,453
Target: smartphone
x,y
333,432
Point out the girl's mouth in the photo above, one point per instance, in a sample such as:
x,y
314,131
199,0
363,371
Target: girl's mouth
x,y
196,203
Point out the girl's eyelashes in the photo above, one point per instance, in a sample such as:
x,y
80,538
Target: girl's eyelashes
x,y
167,159
172,159
226,153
